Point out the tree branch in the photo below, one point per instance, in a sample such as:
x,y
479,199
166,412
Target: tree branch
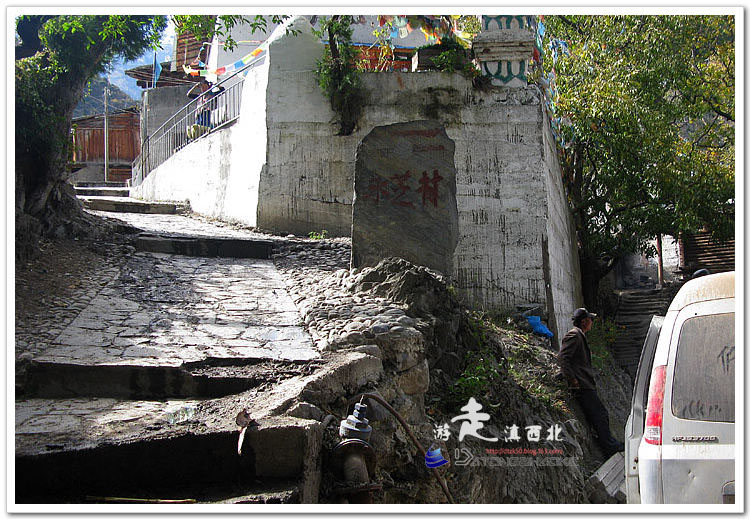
x,y
27,28
572,24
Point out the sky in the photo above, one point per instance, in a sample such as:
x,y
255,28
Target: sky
x,y
126,83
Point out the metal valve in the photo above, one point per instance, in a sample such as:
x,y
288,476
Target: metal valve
x,y
356,424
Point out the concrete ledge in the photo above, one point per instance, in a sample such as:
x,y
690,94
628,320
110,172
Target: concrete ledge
x,y
102,191
205,247
101,184
132,449
130,205
606,484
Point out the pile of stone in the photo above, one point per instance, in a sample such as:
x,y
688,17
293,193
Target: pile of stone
x,y
337,309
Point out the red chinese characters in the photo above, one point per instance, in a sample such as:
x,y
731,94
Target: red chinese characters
x,y
396,189
429,187
376,189
400,189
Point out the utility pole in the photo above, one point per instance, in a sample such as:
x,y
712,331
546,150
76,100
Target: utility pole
x,y
106,131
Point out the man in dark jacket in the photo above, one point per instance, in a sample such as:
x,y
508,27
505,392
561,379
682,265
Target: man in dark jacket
x,y
575,363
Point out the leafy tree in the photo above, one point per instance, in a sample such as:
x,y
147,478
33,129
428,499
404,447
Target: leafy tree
x,y
57,57
644,116
205,27
337,71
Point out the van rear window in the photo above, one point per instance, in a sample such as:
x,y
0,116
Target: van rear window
x,y
703,386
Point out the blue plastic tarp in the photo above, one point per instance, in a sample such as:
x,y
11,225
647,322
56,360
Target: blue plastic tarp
x,y
536,323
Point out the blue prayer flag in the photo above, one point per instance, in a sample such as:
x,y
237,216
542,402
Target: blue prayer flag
x,y
157,71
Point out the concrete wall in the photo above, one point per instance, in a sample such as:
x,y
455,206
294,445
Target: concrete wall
x,y
670,256
563,274
308,184
197,173
158,105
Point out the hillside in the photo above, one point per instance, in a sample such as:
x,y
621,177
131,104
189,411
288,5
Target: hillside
x,y
514,375
93,100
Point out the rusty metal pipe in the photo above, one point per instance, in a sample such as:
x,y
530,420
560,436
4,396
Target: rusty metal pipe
x,y
355,471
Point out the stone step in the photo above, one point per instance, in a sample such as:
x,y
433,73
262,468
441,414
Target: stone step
x,y
130,205
204,246
606,484
167,325
631,306
634,312
643,308
86,450
103,191
209,379
100,184
631,324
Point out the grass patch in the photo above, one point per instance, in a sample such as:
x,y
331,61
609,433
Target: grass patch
x,y
322,235
506,355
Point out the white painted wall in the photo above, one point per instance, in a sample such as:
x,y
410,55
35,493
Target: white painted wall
x,y
670,256
564,271
196,174
219,172
249,142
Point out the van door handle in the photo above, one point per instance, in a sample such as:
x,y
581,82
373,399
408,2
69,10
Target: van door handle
x,y
727,493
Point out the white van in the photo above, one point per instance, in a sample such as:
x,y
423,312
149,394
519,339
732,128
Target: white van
x,y
679,439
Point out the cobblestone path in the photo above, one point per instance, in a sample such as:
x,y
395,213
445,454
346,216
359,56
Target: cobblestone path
x,y
164,310
167,310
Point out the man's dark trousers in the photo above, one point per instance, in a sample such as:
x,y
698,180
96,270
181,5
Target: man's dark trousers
x,y
598,417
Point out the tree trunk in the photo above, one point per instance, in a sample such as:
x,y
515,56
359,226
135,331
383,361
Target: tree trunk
x,y
590,279
45,201
593,270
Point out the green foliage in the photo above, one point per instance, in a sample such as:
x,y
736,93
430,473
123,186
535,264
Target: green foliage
x,y
481,371
338,74
454,60
384,43
507,364
322,235
73,39
600,339
470,25
647,106
37,139
62,54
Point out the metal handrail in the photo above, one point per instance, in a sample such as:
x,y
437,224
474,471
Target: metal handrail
x,y
198,118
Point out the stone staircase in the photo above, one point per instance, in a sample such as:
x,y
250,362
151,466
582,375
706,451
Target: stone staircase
x,y
135,401
635,309
115,197
108,189
607,484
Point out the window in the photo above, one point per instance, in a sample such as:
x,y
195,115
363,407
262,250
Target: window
x,y
703,387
